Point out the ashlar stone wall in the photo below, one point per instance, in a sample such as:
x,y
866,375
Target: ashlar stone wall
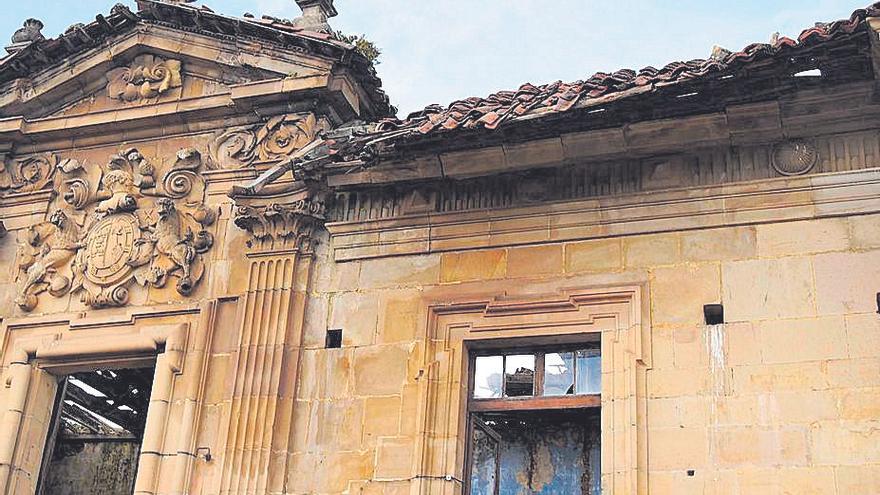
x,y
782,398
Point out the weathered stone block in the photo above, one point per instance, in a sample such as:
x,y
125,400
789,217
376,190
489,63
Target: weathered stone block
x,y
678,448
380,370
381,418
780,377
678,293
534,261
395,458
357,315
858,480
651,250
811,236
791,341
416,271
594,256
476,265
846,282
765,289
846,443
742,343
864,231
862,335
400,317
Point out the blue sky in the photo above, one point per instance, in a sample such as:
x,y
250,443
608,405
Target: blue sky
x,y
437,51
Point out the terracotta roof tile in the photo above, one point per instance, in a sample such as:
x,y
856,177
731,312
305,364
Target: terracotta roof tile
x,y
493,111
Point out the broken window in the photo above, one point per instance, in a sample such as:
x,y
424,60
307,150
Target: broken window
x,y
534,421
96,433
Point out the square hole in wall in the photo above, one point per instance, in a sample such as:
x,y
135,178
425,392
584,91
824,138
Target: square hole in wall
x,y
334,339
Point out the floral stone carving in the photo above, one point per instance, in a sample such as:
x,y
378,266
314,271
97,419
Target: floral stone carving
x,y
147,77
119,226
278,138
28,174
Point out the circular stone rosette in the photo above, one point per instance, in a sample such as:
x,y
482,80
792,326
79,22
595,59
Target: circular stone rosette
x,y
794,157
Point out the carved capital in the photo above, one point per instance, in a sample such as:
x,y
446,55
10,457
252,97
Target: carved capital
x,y
282,226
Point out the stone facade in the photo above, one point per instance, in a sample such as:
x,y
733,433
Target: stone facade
x,y
202,204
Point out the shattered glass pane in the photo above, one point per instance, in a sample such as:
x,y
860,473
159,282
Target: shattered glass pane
x,y
487,377
559,373
589,372
519,376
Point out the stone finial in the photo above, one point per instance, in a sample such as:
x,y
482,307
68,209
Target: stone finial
x,y
27,34
315,15
720,53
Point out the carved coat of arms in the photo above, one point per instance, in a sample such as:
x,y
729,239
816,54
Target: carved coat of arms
x,y
118,226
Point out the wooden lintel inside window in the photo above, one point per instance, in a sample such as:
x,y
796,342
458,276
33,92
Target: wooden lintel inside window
x,y
536,403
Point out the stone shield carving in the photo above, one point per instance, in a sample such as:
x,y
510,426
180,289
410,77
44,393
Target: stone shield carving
x,y
118,226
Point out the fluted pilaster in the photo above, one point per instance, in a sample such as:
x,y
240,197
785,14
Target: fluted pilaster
x,y
280,255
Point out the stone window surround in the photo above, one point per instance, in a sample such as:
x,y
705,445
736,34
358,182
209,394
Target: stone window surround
x,y
617,313
42,349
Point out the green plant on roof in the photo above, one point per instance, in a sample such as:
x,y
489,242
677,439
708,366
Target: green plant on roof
x,y
363,46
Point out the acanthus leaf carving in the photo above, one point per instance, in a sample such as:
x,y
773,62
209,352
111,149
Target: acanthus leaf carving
x,y
148,76
280,137
282,226
117,227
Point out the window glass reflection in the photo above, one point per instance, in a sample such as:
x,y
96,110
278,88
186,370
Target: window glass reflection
x,y
487,377
559,373
589,372
519,376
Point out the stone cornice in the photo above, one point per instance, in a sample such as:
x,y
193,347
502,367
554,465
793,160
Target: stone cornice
x,y
173,117
748,203
809,113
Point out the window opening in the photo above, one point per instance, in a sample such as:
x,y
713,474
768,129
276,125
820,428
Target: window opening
x,y
96,433
533,421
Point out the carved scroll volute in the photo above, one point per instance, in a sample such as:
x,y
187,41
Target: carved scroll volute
x,y
147,77
27,173
280,137
116,226
280,227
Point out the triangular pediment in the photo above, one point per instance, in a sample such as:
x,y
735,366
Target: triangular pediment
x,y
140,69
164,52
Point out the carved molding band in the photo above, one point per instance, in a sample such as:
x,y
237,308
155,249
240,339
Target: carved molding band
x,y
148,76
113,227
278,138
703,168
